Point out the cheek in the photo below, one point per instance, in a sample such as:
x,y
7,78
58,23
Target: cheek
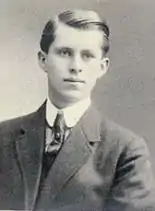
x,y
93,72
58,62
56,69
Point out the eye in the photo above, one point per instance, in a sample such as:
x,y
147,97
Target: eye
x,y
87,55
64,52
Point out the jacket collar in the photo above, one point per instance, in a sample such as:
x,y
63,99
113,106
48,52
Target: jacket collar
x,y
30,147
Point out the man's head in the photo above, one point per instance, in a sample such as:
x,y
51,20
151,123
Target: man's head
x,y
73,54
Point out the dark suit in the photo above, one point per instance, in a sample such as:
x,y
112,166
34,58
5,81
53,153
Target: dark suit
x,y
101,166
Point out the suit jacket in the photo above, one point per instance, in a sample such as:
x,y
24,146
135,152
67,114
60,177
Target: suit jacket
x,y
101,166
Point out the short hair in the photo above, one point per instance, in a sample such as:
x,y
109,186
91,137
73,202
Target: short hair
x,y
80,19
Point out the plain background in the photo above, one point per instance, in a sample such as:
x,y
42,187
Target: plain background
x,y
126,94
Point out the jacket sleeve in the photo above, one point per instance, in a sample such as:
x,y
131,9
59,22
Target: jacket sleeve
x,y
133,187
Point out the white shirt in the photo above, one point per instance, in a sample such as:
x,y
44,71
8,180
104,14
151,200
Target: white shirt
x,y
72,114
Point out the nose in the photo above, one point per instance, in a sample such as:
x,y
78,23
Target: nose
x,y
75,65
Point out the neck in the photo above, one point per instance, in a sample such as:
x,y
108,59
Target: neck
x,y
60,104
63,102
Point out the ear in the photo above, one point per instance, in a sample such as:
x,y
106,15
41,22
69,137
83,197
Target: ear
x,y
104,65
42,59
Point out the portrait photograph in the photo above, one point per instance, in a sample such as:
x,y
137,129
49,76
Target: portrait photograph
x,y
77,105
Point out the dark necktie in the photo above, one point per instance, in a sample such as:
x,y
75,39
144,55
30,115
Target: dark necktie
x,y
58,136
59,128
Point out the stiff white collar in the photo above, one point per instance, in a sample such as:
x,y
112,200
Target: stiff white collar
x,y
72,113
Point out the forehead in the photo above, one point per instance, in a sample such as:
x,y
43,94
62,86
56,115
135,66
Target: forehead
x,y
74,37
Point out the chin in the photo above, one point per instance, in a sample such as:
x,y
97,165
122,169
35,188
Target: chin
x,y
73,97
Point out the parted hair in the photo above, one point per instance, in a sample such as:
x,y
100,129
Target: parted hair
x,y
80,19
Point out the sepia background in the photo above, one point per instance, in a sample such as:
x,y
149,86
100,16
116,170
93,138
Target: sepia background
x,y
126,94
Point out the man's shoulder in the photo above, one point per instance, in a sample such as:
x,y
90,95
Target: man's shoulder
x,y
12,124
117,133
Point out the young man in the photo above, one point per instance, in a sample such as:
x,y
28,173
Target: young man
x,y
66,155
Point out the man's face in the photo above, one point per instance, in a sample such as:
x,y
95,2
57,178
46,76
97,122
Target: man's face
x,y
74,63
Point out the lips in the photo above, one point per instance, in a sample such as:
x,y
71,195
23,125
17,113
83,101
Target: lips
x,y
74,80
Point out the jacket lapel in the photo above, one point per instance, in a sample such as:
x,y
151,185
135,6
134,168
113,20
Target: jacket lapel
x,y
30,146
72,156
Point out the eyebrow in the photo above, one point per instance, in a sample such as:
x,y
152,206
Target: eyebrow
x,y
63,48
88,51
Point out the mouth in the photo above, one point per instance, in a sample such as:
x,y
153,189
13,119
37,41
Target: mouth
x,y
74,80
